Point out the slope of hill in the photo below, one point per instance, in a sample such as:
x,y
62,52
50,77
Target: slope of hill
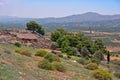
x,y
18,67
14,66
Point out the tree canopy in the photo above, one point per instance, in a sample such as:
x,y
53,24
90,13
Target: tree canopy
x,y
69,41
35,27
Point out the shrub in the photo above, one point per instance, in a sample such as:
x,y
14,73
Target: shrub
x,y
40,52
85,51
75,51
117,55
17,44
68,56
54,45
91,66
67,49
60,55
99,55
95,60
23,52
117,74
82,61
52,57
58,66
45,64
101,74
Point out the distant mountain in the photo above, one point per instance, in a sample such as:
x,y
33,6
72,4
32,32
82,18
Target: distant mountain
x,y
89,19
90,16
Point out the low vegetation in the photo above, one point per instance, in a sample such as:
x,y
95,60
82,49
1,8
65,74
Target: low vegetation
x,y
83,61
59,66
40,52
23,52
117,74
54,45
101,74
52,57
17,44
45,64
60,55
91,66
51,62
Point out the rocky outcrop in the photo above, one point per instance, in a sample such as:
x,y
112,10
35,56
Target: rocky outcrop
x,y
26,38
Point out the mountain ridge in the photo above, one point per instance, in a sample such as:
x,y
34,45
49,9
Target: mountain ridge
x,y
89,19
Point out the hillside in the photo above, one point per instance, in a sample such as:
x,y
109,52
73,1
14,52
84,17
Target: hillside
x,y
73,22
23,62
14,66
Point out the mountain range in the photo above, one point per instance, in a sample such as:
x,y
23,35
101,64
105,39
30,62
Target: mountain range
x,y
81,21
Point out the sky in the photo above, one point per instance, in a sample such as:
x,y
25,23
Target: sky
x,y
57,8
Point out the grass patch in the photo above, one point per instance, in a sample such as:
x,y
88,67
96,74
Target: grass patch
x,y
59,66
8,72
91,66
23,52
40,52
117,74
52,57
101,74
45,64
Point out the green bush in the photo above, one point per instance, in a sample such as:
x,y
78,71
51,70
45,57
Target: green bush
x,y
95,60
40,52
52,57
45,64
60,55
99,55
54,45
58,66
68,56
117,74
101,74
84,51
83,61
17,44
24,52
91,66
75,51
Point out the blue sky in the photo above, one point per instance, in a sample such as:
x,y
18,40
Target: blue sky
x,y
57,8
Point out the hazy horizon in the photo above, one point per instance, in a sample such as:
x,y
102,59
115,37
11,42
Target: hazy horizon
x,y
54,8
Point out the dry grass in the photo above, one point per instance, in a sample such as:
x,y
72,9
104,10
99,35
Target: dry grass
x,y
112,57
115,41
113,49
